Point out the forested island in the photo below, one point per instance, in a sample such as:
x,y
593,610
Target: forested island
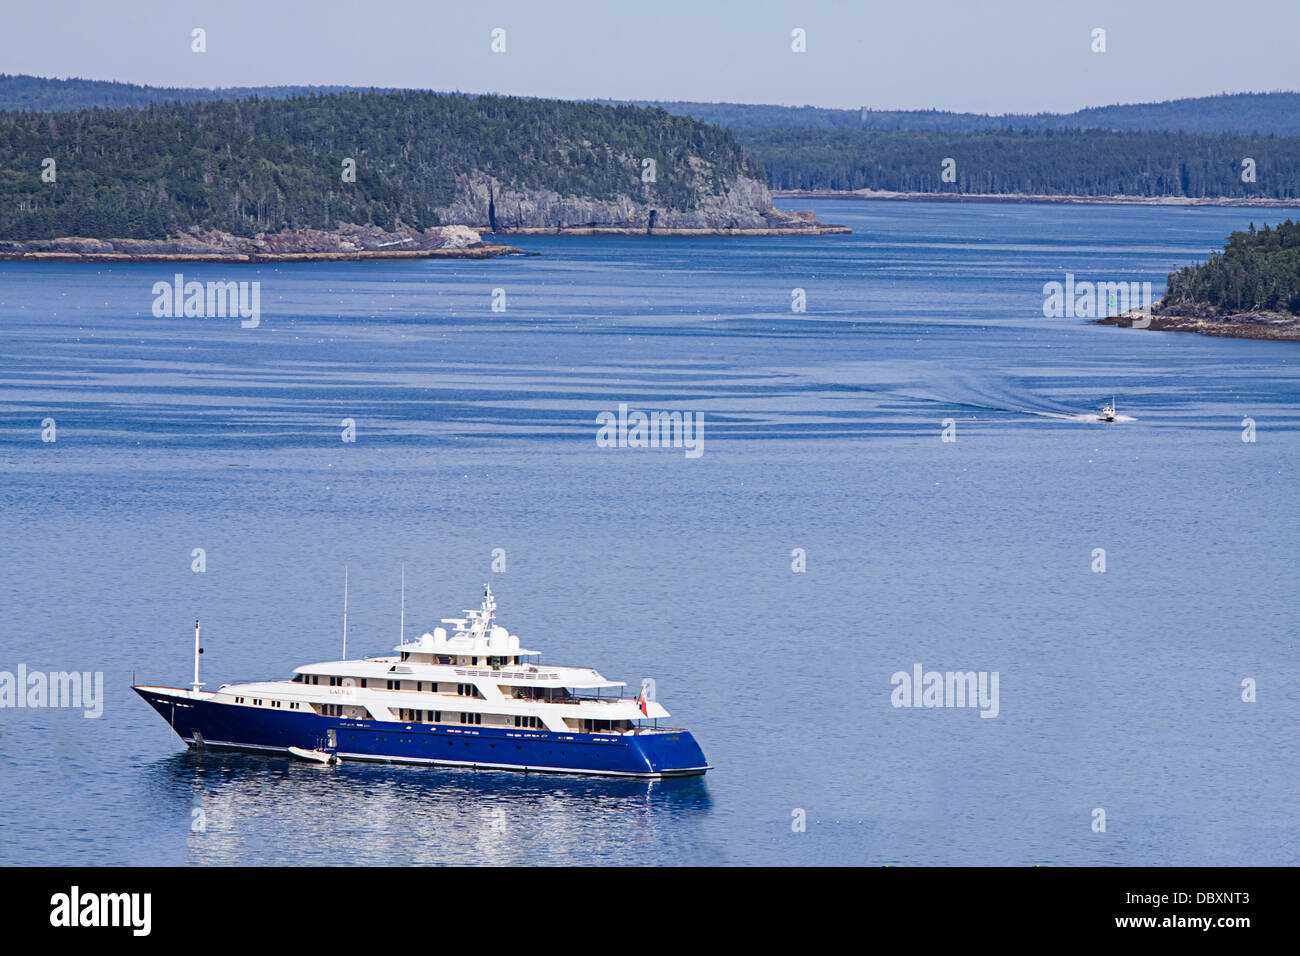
x,y
1250,290
1038,163
207,174
115,169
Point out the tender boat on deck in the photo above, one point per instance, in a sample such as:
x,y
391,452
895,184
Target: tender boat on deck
x,y
468,699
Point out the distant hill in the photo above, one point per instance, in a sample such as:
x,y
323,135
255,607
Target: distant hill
x,y
1276,113
421,159
523,163
45,95
1035,162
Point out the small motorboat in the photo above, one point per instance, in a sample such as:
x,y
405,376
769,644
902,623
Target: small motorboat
x,y
314,756
1108,412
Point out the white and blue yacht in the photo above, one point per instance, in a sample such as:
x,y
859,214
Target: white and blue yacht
x,y
464,695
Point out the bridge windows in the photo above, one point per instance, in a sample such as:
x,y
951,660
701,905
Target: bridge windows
x,y
604,726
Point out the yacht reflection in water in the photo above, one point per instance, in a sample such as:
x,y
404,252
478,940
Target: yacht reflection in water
x,y
251,808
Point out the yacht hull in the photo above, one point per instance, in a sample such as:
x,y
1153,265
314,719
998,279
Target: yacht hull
x,y
211,723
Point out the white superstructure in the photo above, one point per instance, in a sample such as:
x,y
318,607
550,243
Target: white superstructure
x,y
472,672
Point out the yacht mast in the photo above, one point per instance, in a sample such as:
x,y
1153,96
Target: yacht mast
x,y
197,651
345,612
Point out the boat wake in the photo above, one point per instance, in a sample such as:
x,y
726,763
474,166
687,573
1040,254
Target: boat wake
x,y
977,396
968,396
1085,417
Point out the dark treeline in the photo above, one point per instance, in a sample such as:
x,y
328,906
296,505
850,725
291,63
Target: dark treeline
x,y
1277,113
1258,270
267,165
42,94
1072,162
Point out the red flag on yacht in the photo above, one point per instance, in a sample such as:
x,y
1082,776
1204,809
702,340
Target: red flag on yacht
x,y
641,702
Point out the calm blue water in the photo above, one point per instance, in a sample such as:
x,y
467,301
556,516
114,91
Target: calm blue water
x,y
476,430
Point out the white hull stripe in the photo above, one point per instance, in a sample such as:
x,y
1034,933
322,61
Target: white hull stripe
x,y
371,758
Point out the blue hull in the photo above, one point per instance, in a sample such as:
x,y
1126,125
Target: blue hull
x,y
233,726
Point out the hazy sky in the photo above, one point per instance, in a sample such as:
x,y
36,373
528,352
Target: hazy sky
x,y
1018,56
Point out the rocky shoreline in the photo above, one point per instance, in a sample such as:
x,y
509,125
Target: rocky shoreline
x,y
1033,198
817,230
347,244
1274,326
353,243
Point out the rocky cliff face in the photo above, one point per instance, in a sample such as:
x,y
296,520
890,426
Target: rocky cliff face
x,y
485,202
